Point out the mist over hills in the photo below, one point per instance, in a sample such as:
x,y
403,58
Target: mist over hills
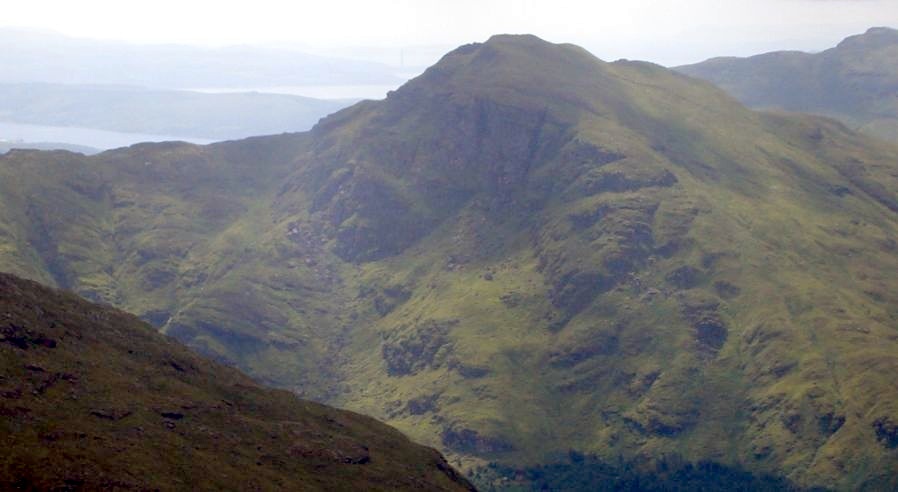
x,y
40,56
855,82
65,83
525,251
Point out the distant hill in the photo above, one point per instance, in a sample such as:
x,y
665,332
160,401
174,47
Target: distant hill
x,y
39,56
7,146
523,254
92,398
855,82
161,112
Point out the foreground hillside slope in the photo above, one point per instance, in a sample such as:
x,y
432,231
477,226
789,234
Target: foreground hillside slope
x,y
521,252
855,82
93,398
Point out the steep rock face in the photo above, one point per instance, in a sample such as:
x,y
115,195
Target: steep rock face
x,y
410,162
524,251
855,82
93,398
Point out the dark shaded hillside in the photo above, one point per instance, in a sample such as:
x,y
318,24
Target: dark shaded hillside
x,y
523,251
668,474
855,82
92,398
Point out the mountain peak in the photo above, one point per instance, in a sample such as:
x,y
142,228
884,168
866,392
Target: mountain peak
x,y
875,37
534,52
519,39
522,243
511,66
882,30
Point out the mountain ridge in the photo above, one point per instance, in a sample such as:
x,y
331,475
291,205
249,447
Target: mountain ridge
x,y
854,82
521,252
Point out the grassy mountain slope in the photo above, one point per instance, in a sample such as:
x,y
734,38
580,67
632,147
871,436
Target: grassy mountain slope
x,y
94,398
161,112
855,82
523,251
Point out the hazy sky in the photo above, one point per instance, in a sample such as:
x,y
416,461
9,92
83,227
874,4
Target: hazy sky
x,y
665,31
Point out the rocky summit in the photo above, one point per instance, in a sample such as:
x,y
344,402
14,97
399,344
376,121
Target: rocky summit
x,y
523,253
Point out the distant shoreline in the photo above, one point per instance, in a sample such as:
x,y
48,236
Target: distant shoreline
x,y
12,134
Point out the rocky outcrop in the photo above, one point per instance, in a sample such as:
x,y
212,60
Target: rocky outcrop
x,y
886,429
463,440
684,277
407,351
